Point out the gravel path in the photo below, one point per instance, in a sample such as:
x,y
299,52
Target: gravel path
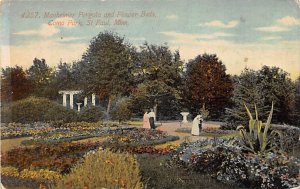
x,y
170,128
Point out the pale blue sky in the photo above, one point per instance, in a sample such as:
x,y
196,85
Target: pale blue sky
x,y
242,33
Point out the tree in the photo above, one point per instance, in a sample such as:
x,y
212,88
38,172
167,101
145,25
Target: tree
x,y
40,74
263,87
159,80
297,103
277,87
14,84
64,78
246,92
106,67
207,84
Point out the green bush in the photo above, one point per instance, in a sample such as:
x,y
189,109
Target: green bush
x,y
290,135
121,110
91,114
114,170
33,109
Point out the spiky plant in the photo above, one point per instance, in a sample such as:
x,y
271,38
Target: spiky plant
x,y
259,140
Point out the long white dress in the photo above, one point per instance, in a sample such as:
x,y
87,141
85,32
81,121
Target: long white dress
x,y
195,126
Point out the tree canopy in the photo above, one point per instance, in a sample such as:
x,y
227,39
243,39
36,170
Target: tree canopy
x,y
15,84
158,72
40,75
206,83
106,67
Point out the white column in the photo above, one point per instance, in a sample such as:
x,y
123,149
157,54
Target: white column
x,y
85,101
71,100
78,106
93,99
64,99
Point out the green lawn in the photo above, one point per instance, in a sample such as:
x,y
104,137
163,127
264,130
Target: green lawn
x,y
9,144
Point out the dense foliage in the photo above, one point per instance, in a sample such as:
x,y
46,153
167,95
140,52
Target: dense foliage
x,y
91,114
158,78
39,74
107,67
15,84
206,83
262,87
33,109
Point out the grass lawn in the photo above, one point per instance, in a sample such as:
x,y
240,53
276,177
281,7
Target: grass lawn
x,y
210,134
9,144
228,135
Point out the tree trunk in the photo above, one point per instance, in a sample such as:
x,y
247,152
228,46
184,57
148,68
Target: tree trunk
x,y
155,109
108,105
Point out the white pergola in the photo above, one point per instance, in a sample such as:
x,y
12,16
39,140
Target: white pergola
x,y
72,93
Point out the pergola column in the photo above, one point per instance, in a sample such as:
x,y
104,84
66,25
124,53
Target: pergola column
x,y
93,99
71,100
85,101
64,99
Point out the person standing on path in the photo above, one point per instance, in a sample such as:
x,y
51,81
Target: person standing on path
x,y
151,115
196,125
146,123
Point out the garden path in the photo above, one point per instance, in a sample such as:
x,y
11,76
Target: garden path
x,y
170,128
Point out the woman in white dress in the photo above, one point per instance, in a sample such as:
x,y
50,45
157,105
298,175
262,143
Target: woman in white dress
x,y
195,126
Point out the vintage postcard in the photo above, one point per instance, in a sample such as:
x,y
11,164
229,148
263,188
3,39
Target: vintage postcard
x,y
150,94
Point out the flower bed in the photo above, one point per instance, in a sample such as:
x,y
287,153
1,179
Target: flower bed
x,y
59,157
72,134
141,137
41,175
57,129
16,130
51,156
224,160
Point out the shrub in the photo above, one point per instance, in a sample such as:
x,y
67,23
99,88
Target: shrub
x,y
290,136
33,109
228,125
114,170
91,114
121,111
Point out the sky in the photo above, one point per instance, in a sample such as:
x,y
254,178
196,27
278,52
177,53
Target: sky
x,y
243,33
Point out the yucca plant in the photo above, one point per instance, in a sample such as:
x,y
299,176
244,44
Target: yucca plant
x,y
259,140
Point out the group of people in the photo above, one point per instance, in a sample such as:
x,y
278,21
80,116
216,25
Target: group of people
x,y
148,120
